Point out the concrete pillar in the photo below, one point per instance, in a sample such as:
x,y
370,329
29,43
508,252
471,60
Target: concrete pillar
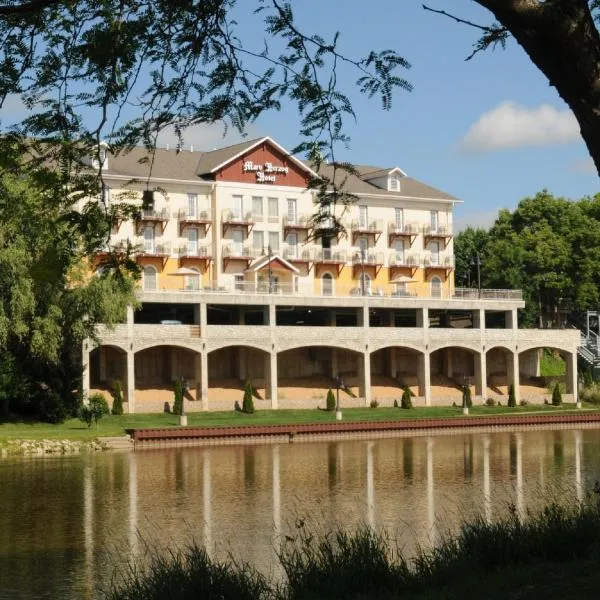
x,y
364,374
424,376
511,318
479,319
241,316
271,378
391,319
423,318
363,316
334,363
85,374
130,322
332,318
203,318
572,375
196,314
513,375
204,379
393,362
481,375
272,315
131,381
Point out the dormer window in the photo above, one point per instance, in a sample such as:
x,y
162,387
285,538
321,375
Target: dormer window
x,y
394,183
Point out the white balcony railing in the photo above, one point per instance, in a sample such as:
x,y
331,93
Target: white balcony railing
x,y
403,259
199,215
441,230
234,216
368,257
154,214
368,226
330,255
199,251
403,229
152,248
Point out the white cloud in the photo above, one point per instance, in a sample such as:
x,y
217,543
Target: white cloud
x,y
206,136
584,166
511,125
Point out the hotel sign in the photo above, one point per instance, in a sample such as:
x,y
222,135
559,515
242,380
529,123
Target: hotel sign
x,y
265,173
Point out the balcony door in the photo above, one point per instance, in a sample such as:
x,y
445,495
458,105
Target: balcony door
x,y
399,219
236,207
292,240
149,279
327,284
149,240
237,238
434,252
399,252
434,220
192,238
292,215
363,217
192,211
436,287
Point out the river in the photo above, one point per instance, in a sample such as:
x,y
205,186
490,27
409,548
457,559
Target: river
x,y
66,523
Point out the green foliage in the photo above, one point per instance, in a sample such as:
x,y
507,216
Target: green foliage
x,y
178,397
512,401
117,407
330,400
374,403
395,402
552,364
467,402
97,407
556,395
248,400
406,398
590,393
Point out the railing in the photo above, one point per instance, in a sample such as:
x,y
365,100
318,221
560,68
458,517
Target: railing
x,y
301,222
154,249
200,215
154,215
330,255
360,257
435,260
200,251
402,259
232,216
473,293
441,230
298,252
404,229
243,251
374,226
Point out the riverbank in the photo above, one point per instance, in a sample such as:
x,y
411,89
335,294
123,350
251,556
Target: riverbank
x,y
551,554
16,436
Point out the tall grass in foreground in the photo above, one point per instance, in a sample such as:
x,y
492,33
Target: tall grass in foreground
x,y
367,564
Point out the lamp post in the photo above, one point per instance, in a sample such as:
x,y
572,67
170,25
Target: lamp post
x,y
338,411
182,416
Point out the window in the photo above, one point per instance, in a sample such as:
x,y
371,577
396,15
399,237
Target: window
x,y
327,284
273,209
394,183
193,281
363,217
399,218
399,251
436,287
292,240
149,278
433,218
257,207
237,238
274,241
401,289
238,282
149,240
258,240
291,210
363,244
192,211
192,238
365,284
434,249
236,207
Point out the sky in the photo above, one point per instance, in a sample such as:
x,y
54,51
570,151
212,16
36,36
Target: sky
x,y
489,131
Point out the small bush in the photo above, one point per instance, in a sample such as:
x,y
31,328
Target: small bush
x,y
247,400
406,398
374,404
330,400
490,402
556,395
178,400
117,407
523,403
395,403
591,393
512,401
96,408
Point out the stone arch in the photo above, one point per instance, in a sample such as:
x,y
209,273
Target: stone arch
x,y
141,346
215,346
394,366
452,366
107,364
537,385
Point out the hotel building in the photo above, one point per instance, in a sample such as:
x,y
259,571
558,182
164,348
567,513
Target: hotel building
x,y
237,285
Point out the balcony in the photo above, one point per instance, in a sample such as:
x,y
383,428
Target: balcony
x,y
369,258
152,217
474,294
153,250
331,256
442,233
301,223
232,218
371,228
433,262
407,231
402,260
239,252
298,254
201,218
199,252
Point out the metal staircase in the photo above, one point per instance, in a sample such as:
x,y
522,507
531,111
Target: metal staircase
x,y
589,347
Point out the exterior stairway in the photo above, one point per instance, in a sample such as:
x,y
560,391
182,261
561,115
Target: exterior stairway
x,y
589,347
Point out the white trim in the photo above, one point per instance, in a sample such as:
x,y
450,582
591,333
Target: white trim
x,y
380,173
262,262
262,141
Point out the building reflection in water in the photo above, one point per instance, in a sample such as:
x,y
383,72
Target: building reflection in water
x,y
370,486
206,501
487,496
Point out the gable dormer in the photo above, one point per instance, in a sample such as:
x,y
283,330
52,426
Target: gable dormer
x,y
386,179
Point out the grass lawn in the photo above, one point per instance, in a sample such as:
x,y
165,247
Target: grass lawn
x,y
73,429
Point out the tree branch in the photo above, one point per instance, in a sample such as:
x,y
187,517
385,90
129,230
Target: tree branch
x,y
457,19
28,7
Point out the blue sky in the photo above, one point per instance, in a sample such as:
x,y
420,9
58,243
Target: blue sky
x,y
489,131
528,139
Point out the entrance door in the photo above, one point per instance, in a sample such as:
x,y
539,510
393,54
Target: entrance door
x,y
237,237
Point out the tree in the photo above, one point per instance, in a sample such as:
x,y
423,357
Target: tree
x,y
467,402
562,40
406,398
469,244
178,397
48,302
117,407
248,401
512,401
330,400
556,395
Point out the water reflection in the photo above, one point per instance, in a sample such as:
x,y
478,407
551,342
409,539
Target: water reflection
x,y
61,519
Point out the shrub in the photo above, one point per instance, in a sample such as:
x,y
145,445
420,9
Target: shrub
x,y
178,401
374,404
248,401
395,403
591,393
512,401
490,402
96,408
406,399
556,395
467,401
330,400
117,407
